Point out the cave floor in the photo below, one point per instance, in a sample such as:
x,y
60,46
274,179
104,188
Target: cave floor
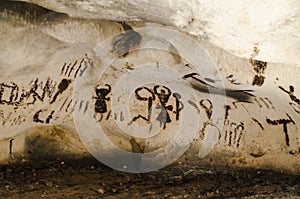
x,y
90,179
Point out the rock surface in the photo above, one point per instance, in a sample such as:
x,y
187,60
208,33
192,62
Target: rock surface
x,y
54,79
270,27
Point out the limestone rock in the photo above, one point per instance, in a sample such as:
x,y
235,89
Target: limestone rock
x,y
240,27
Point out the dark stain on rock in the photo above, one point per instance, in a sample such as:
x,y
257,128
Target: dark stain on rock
x,y
210,80
257,154
125,42
259,67
136,147
258,80
174,52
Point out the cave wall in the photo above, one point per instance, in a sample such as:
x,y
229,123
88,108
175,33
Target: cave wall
x,y
238,27
52,64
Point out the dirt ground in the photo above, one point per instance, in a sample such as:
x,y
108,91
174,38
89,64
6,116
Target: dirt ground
x,y
87,178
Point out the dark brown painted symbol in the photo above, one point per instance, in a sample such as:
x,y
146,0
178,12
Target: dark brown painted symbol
x,y
150,98
163,97
284,122
36,117
63,85
163,94
100,103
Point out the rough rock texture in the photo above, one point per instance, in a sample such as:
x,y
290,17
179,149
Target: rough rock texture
x,y
49,63
268,30
89,179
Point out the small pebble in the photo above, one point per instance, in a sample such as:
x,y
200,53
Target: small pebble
x,y
49,184
7,187
101,191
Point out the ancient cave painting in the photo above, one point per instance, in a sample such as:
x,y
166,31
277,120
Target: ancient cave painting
x,y
283,122
207,105
258,123
233,131
101,98
36,117
62,86
50,116
264,102
193,104
163,94
10,119
296,107
259,67
202,86
12,94
231,79
233,134
149,97
291,94
78,67
179,105
295,104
